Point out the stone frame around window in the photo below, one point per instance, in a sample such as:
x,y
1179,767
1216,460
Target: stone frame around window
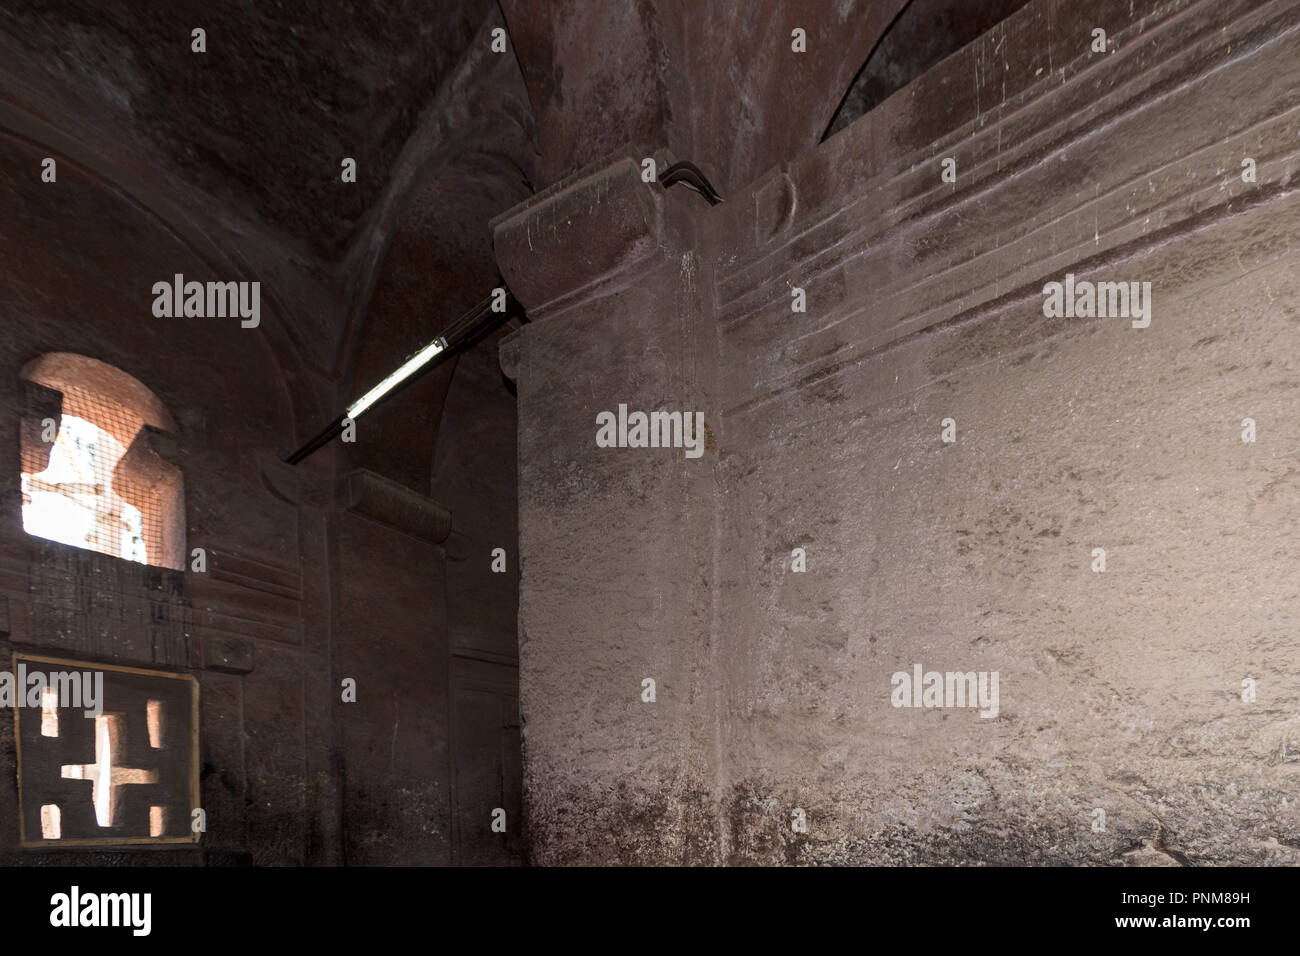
x,y
149,477
27,840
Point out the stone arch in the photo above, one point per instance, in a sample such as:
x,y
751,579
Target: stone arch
x,y
920,34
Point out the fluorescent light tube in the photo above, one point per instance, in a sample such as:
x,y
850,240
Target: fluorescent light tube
x,y
407,369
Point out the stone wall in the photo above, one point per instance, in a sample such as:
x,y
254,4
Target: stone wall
x,y
1120,691
315,573
79,261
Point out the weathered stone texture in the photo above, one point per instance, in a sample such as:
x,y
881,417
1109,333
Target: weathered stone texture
x,y
1119,690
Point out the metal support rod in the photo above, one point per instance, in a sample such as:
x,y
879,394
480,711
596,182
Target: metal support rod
x,y
323,438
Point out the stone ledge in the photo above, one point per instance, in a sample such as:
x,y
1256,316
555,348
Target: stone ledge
x,y
580,235
383,500
227,654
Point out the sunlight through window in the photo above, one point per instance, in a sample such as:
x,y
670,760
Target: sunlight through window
x,y
73,500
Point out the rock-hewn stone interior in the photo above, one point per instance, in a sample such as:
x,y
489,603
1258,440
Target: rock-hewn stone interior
x,y
925,563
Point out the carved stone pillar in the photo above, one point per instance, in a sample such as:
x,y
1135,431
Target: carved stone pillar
x,y
616,543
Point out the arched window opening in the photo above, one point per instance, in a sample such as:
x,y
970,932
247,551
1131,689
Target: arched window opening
x,y
923,33
90,476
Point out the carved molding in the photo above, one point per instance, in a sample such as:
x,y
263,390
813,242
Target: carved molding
x,y
580,235
381,499
1066,159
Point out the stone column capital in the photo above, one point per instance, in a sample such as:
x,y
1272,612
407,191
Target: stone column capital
x,y
582,237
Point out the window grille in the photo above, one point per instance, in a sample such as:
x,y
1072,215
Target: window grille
x,y
81,498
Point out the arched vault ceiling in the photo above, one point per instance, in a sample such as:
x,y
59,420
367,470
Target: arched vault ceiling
x,y
717,81
263,119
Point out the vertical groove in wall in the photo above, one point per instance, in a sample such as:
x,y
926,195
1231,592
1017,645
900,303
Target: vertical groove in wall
x,y
721,770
